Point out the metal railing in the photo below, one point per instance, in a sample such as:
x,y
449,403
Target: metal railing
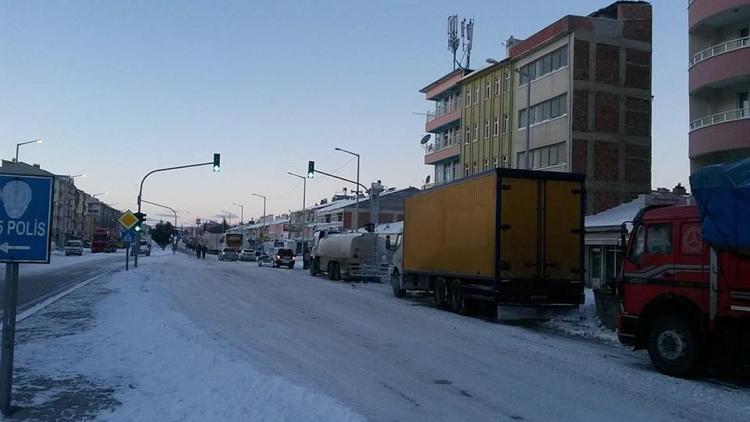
x,y
444,108
718,49
443,142
715,119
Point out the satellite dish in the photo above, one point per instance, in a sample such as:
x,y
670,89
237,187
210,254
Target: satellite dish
x,y
427,180
425,139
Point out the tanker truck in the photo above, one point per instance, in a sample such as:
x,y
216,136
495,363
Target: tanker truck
x,y
349,256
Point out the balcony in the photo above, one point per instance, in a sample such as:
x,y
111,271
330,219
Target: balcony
x,y
720,66
446,112
713,13
444,148
722,48
728,130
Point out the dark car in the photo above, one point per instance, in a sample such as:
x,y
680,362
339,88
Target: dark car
x,y
284,258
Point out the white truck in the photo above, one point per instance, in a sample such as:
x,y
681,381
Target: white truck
x,y
349,256
214,242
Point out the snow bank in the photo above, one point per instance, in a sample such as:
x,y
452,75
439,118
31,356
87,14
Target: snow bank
x,y
584,322
168,370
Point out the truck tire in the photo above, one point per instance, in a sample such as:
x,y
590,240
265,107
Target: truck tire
x,y
396,284
331,270
673,346
336,271
440,293
456,297
314,267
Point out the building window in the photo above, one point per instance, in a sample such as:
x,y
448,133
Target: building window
x,y
544,65
468,97
466,170
496,130
544,111
505,123
486,164
468,136
497,85
488,91
547,156
476,132
475,168
506,81
494,162
486,129
477,93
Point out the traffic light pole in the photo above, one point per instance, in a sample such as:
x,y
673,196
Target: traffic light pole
x,y
137,239
342,178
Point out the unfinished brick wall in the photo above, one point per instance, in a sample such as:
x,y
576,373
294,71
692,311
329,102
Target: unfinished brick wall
x,y
608,64
581,59
637,117
579,152
606,161
580,110
607,112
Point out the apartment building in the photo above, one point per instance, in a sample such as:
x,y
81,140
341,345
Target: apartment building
x,y
719,75
444,123
590,109
486,119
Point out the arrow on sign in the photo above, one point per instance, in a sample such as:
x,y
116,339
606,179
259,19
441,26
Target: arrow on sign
x,y
5,247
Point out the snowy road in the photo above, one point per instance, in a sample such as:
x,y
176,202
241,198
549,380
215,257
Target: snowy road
x,y
390,359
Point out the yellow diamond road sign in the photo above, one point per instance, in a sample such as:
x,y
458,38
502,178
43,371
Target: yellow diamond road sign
x,y
128,220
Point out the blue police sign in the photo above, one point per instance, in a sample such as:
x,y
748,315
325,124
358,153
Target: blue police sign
x,y
25,218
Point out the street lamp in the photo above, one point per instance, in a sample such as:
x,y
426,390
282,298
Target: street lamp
x,y
355,220
100,194
528,113
229,214
18,145
304,188
242,211
264,207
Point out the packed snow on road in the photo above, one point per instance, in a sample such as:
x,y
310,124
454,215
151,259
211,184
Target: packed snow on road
x,y
186,339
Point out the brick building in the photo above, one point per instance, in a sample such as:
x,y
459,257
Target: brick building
x,y
590,100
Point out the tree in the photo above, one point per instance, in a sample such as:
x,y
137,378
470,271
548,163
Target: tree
x,y
162,234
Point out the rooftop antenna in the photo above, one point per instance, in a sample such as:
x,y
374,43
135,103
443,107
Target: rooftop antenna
x,y
467,38
453,40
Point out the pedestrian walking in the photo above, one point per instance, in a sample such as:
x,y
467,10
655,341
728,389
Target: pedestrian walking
x,y
198,251
203,251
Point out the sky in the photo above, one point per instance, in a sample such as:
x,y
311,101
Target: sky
x,y
116,89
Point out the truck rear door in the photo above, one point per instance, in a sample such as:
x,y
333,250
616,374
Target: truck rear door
x,y
563,235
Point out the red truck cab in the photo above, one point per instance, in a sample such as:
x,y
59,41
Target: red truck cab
x,y
101,241
681,299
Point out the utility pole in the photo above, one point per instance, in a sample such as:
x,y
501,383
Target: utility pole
x,y
265,225
242,211
18,145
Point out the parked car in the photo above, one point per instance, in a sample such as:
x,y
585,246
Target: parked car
x,y
73,247
144,248
263,258
248,255
228,254
284,258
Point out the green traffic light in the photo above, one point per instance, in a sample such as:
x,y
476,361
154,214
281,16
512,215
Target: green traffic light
x,y
310,169
217,162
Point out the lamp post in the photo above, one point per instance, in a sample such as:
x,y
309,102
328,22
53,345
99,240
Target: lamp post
x,y
174,228
304,188
100,194
355,220
229,215
264,209
18,145
528,114
242,211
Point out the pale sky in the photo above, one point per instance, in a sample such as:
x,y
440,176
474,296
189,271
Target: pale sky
x,y
116,89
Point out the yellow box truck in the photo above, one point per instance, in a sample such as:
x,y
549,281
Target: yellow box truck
x,y
503,237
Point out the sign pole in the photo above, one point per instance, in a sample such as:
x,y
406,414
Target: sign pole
x,y
9,336
127,255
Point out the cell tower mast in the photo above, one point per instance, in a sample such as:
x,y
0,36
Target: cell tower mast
x,y
465,41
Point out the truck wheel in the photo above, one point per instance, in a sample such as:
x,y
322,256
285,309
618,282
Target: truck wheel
x,y
336,271
673,347
440,293
396,284
456,297
331,270
314,267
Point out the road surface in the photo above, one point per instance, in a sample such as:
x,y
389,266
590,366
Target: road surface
x,y
389,359
38,282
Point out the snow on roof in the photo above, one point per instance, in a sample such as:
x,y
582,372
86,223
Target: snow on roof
x,y
615,216
348,202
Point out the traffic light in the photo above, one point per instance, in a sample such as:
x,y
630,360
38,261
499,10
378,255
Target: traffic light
x,y
310,169
217,162
141,218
